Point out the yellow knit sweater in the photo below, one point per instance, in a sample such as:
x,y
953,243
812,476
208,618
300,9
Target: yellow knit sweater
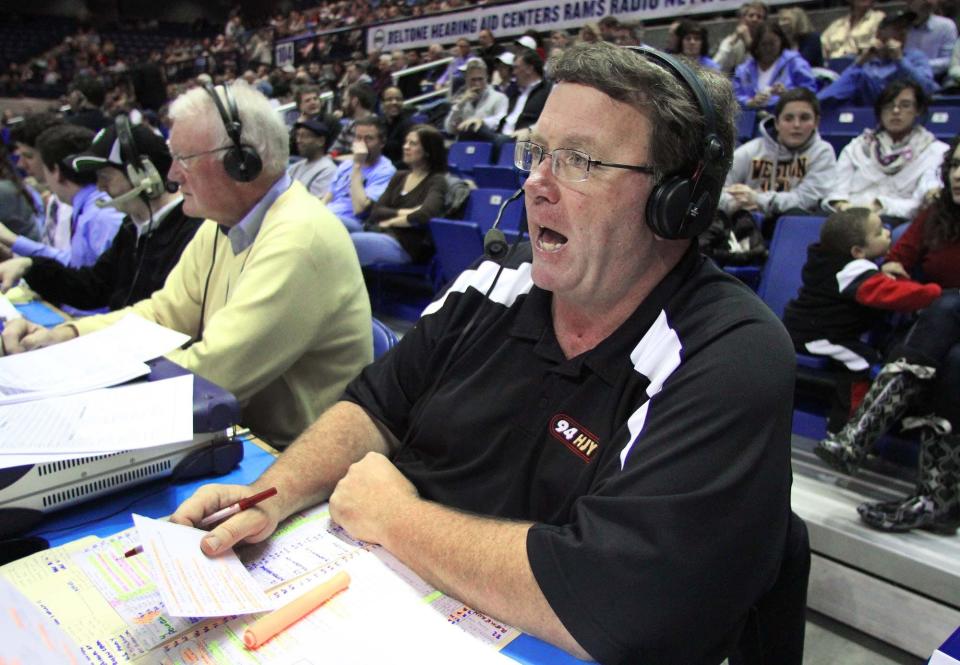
x,y
287,320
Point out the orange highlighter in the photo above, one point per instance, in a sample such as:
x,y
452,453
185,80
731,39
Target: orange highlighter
x,y
280,619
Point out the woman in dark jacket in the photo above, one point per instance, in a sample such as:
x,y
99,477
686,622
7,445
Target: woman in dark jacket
x,y
396,231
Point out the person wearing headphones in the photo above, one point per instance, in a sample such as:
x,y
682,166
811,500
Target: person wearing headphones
x,y
128,161
583,442
92,226
269,288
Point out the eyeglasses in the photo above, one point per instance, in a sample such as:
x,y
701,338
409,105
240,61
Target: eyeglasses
x,y
905,105
567,164
183,160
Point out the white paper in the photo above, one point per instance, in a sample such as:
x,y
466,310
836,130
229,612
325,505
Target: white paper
x,y
141,415
7,311
103,358
192,584
27,635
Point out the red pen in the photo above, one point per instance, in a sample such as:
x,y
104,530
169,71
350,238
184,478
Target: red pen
x,y
242,504
222,514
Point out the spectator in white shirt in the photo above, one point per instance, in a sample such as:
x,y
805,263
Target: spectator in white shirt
x,y
479,105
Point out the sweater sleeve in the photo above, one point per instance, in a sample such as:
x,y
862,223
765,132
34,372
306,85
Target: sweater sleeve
x,y
844,175
386,206
899,295
177,304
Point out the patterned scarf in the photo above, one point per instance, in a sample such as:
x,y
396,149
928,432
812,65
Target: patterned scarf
x,y
892,155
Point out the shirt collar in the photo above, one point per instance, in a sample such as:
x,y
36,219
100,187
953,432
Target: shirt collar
x,y
606,360
244,233
158,216
80,199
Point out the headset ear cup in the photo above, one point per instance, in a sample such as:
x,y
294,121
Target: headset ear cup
x,y
666,208
242,163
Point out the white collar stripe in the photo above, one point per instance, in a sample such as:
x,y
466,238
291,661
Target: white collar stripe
x,y
656,356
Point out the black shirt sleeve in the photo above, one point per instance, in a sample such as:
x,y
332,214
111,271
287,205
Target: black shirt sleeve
x,y
83,288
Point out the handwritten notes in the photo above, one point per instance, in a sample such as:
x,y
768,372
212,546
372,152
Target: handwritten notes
x,y
192,584
28,637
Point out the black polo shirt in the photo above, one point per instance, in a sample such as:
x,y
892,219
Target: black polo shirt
x,y
656,466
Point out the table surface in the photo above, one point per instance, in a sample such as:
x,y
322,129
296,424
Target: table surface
x,y
107,516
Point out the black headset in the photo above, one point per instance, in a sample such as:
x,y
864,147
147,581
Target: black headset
x,y
241,161
684,203
142,173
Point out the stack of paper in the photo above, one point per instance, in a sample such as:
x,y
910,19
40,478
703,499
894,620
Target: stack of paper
x,y
55,404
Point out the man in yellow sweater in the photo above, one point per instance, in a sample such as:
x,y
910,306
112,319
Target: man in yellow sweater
x,y
269,289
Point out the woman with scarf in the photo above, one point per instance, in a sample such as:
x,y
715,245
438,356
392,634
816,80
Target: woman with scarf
x,y
923,375
892,168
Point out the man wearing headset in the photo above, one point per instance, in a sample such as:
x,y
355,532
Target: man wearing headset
x,y
269,288
595,450
151,237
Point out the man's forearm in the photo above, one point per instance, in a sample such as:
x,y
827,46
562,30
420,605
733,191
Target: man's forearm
x,y
480,561
308,470
358,195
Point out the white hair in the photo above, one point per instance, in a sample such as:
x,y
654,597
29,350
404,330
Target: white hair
x,y
263,130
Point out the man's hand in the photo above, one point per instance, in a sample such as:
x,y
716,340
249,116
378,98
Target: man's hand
x,y
20,335
359,151
249,526
7,237
840,205
743,33
372,493
470,125
894,269
12,270
778,88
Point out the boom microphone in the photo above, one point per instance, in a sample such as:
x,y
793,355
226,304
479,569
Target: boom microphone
x,y
494,242
117,201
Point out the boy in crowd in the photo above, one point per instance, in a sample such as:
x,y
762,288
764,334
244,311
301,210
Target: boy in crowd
x,y
843,296
788,169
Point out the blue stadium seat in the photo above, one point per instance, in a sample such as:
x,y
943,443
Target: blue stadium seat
x,y
496,176
506,154
464,155
746,125
483,204
839,64
839,126
383,339
458,244
943,121
781,278
897,232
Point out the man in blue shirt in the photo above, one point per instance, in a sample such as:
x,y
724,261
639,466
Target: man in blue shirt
x,y
885,60
92,227
932,35
361,180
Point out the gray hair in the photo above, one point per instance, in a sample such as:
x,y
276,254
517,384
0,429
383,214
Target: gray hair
x,y
676,136
263,130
